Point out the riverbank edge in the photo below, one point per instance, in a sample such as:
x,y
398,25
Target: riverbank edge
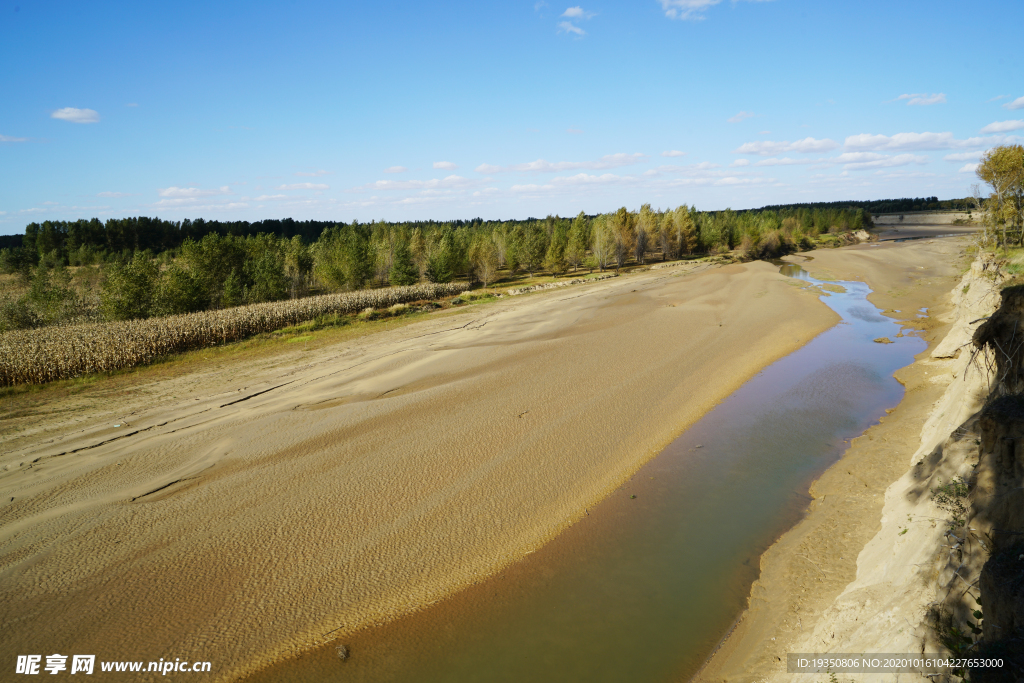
x,y
811,598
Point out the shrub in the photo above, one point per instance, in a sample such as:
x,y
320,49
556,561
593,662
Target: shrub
x,y
951,498
127,290
179,291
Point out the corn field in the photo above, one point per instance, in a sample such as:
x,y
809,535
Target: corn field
x,y
47,354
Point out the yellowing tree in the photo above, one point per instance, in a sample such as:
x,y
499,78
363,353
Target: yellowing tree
x,y
602,242
484,258
685,230
646,228
1003,168
623,225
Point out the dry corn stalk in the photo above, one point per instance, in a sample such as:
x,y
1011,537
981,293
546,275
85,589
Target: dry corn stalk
x,y
47,354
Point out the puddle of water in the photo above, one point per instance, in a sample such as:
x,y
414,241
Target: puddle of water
x,y
793,270
644,588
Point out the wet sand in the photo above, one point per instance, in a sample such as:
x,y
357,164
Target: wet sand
x,y
245,513
804,572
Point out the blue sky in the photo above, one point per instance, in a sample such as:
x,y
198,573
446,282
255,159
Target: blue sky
x,y
409,110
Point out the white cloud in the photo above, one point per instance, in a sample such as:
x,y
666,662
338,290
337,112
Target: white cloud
x,y
586,179
541,166
445,165
273,197
304,186
923,99
113,195
785,161
76,115
733,180
765,132
1003,126
704,168
190,205
810,145
452,181
576,183
741,162
1016,104
902,175
851,160
191,192
964,156
395,169
968,168
577,13
693,175
56,208
860,160
8,138
690,9
673,153
768,148
916,142
574,131
997,97
742,116
312,174
569,27
686,9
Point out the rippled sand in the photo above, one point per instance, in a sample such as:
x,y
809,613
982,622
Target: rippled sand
x,y
246,512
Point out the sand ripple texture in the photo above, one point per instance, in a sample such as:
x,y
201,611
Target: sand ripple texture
x,y
242,525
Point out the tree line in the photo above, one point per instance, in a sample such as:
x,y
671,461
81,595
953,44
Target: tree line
x,y
877,206
219,270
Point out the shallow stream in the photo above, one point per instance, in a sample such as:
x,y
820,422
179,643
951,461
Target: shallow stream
x,y
645,587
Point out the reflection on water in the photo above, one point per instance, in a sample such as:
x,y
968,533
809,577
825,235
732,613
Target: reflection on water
x,y
793,270
644,588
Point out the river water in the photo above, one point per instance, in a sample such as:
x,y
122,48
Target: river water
x,y
645,587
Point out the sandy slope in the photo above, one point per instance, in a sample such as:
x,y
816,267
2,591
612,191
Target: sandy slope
x,y
846,579
915,226
246,511
923,218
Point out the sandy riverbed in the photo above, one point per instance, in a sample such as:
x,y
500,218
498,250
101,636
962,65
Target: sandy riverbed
x,y
804,574
243,512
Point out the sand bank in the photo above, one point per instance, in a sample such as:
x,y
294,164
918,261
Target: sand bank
x,y
245,512
927,225
851,577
